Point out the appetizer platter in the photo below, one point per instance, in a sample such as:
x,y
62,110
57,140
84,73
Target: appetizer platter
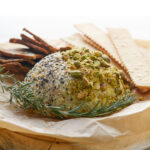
x,y
85,82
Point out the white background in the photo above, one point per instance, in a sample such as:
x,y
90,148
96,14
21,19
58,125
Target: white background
x,y
55,18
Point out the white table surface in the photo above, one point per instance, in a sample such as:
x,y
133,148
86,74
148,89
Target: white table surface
x,y
56,27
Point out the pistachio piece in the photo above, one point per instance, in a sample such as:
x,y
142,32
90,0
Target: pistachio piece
x,y
118,90
96,74
113,82
96,64
71,53
83,48
106,58
87,50
76,74
98,54
76,56
104,64
63,53
93,57
77,64
83,57
75,51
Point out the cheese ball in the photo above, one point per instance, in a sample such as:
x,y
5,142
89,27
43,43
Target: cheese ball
x,y
75,76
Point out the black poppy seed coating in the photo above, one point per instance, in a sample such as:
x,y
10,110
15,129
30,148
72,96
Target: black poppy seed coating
x,y
50,77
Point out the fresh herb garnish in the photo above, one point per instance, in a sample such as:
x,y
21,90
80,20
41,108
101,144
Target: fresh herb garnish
x,y
25,99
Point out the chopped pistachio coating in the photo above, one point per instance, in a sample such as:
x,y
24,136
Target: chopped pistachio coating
x,y
75,76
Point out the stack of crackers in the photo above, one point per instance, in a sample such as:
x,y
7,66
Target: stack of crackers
x,y
20,55
120,46
117,43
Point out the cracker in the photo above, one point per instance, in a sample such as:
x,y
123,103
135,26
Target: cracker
x,y
76,40
93,44
131,57
99,38
146,55
17,51
142,43
4,60
32,47
144,47
15,67
60,44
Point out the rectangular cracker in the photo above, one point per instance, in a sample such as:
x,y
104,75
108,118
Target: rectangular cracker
x,y
76,40
144,47
99,38
15,67
4,60
142,43
60,44
17,51
131,57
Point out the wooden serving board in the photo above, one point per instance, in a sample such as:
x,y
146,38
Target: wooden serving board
x,y
17,141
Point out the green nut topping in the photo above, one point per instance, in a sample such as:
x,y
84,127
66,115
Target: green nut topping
x,y
118,90
75,51
76,74
93,57
87,50
93,76
106,58
77,64
83,57
97,64
76,56
96,74
98,54
105,64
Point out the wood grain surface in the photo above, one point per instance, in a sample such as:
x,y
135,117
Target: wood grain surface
x,y
17,141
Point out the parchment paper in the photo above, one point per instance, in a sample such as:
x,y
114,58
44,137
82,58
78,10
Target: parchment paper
x,y
128,129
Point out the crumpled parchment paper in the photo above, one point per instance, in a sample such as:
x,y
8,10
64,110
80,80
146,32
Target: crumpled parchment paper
x,y
128,129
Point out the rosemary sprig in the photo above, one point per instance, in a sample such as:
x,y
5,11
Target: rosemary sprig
x,y
26,99
4,76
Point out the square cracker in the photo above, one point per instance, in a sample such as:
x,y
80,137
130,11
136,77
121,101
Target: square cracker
x,y
131,57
